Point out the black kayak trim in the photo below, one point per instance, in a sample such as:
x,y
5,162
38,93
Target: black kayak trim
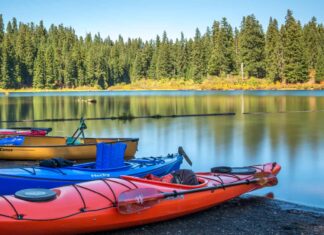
x,y
233,170
36,194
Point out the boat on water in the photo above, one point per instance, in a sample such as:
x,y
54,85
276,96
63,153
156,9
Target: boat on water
x,y
116,203
45,147
24,131
75,147
109,163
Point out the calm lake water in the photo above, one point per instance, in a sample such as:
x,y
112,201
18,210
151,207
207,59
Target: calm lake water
x,y
282,133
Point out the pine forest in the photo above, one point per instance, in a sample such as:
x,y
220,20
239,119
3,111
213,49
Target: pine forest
x,y
33,56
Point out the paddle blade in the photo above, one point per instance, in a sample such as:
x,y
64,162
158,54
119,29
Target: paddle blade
x,y
185,156
136,200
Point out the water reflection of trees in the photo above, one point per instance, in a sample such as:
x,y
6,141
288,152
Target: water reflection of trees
x,y
290,130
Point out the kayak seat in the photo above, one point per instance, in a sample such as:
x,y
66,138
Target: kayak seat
x,y
183,176
12,141
110,155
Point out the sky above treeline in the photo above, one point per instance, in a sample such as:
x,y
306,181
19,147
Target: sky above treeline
x,y
147,18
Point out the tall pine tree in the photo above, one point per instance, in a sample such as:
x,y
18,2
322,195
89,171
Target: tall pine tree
x,y
295,68
8,79
273,51
181,60
252,47
152,73
214,62
311,36
320,68
198,68
50,68
222,60
39,80
164,63
312,43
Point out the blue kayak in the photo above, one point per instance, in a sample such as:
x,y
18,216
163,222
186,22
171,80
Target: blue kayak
x,y
109,163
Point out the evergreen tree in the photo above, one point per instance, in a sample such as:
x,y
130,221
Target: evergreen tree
x,y
207,45
90,68
311,39
215,32
51,68
20,66
223,57
28,57
101,68
39,80
40,33
1,29
118,66
273,51
70,71
226,35
320,67
295,68
1,41
181,60
198,68
79,58
8,79
153,65
252,43
142,61
321,36
14,25
164,65
237,50
214,60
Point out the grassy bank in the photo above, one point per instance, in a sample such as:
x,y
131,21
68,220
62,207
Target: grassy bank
x,y
214,84
182,84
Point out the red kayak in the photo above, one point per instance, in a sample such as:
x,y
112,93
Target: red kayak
x,y
113,203
25,131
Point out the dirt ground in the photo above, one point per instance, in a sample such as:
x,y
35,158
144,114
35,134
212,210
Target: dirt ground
x,y
243,215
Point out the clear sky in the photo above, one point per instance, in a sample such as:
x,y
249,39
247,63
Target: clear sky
x,y
147,18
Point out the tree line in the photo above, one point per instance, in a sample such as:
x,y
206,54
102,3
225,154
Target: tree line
x,y
33,56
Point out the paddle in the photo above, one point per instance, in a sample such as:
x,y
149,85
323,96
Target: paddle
x,y
139,199
185,156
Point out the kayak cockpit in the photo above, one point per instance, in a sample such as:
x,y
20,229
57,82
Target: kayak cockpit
x,y
130,164
91,166
202,182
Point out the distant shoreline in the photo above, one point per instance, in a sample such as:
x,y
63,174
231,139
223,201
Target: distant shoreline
x,y
216,84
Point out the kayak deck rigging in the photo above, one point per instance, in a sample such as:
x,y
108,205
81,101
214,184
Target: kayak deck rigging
x,y
91,166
